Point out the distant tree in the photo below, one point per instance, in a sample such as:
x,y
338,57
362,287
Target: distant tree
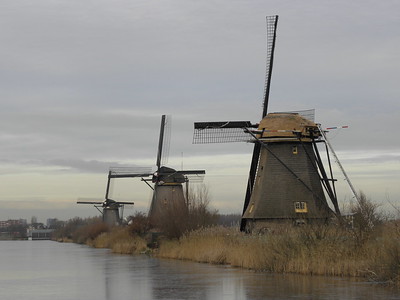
x,y
17,230
229,220
365,217
71,227
138,223
200,213
56,224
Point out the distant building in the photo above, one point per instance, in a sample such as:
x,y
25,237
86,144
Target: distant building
x,y
51,222
39,234
13,229
8,223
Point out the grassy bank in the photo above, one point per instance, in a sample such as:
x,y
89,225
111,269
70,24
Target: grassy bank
x,y
370,249
95,233
311,250
119,240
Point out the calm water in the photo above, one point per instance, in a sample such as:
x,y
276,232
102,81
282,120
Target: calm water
x,y
49,270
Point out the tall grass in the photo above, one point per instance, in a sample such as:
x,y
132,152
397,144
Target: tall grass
x,y
369,249
119,240
311,250
95,233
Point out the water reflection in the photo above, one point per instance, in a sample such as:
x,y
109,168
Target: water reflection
x,y
48,270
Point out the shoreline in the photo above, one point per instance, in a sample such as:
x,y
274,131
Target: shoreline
x,y
306,250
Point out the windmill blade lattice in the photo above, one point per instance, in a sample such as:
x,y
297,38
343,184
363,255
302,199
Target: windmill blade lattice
x,y
272,23
221,132
195,177
121,172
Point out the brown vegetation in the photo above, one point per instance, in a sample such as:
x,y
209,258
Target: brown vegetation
x,y
369,248
310,249
95,233
120,240
78,230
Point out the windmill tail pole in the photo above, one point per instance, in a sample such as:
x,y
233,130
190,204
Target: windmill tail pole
x,y
339,164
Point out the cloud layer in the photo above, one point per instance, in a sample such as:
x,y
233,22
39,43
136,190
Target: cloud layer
x,y
83,86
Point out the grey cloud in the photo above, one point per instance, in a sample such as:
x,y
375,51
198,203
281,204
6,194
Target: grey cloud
x,y
83,86
91,166
375,158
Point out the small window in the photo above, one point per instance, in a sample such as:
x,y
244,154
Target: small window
x,y
294,150
300,207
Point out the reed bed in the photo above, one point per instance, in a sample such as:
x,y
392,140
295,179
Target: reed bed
x,y
311,250
119,240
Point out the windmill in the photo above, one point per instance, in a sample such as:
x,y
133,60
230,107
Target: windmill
x,y
287,175
109,208
168,193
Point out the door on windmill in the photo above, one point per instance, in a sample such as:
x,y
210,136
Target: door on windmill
x,y
300,207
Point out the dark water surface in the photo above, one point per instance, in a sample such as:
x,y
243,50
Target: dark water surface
x,y
49,270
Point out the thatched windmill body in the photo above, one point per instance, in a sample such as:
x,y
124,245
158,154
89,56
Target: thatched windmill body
x,y
287,175
168,193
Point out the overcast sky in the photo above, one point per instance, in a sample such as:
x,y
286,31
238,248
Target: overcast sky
x,y
83,85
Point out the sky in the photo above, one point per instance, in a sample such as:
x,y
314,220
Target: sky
x,y
83,85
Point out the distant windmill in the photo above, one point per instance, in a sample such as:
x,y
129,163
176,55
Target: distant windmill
x,y
287,174
110,209
167,190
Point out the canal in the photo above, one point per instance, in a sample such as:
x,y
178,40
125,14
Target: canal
x,y
40,270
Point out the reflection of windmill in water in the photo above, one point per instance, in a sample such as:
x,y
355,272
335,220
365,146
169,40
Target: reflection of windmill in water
x,y
168,192
287,175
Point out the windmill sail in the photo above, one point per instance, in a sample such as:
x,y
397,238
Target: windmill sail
x,y
121,172
160,142
221,132
163,141
272,23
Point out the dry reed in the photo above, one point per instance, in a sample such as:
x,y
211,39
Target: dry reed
x,y
311,250
119,240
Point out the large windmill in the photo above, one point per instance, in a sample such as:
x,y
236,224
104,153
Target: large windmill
x,y
287,175
168,192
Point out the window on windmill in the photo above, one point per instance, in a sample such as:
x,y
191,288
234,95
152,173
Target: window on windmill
x,y
300,207
251,208
294,150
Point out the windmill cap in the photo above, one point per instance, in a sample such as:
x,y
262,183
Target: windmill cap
x,y
169,175
287,125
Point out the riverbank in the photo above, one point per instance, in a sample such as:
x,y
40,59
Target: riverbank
x,y
309,250
118,239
